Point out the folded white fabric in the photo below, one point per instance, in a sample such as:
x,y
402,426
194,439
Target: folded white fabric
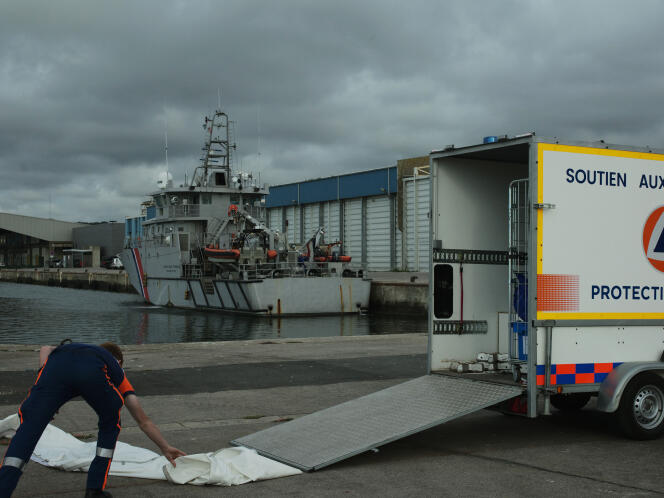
x,y
225,467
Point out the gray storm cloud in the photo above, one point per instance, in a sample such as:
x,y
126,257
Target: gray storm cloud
x,y
315,88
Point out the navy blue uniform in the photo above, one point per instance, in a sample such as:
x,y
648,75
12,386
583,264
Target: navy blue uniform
x,y
71,370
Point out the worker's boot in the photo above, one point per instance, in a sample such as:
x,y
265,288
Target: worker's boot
x,y
9,477
97,493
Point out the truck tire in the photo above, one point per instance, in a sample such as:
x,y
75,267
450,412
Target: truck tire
x,y
571,402
641,410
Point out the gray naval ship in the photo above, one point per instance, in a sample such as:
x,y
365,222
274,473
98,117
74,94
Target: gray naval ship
x,y
205,245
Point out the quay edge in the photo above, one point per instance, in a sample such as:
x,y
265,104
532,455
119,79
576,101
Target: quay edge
x,y
77,278
395,293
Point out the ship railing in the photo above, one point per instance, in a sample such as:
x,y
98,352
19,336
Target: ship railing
x,y
184,211
192,271
300,269
206,239
156,242
256,212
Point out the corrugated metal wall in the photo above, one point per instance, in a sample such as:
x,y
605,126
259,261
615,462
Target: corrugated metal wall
x,y
275,220
378,223
367,223
382,247
331,221
398,242
352,239
293,219
416,205
311,220
349,186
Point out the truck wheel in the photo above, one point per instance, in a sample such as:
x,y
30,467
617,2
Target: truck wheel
x,y
641,410
571,402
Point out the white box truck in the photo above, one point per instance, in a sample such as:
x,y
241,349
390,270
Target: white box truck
x,y
566,239
546,288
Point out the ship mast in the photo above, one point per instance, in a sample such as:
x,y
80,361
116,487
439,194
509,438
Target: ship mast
x,y
218,147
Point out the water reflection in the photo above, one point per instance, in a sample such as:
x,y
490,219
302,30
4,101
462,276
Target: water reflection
x,y
31,314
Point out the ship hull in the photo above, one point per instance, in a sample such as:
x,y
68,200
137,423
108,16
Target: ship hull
x,y
271,296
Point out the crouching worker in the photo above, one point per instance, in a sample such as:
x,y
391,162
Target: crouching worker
x,y
95,373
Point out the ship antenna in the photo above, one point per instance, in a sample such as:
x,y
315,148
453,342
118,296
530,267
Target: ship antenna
x,y
219,98
258,129
168,170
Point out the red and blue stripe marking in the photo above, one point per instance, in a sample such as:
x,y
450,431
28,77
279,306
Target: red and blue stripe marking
x,y
139,271
575,373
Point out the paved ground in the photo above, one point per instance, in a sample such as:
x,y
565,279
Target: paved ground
x,y
204,395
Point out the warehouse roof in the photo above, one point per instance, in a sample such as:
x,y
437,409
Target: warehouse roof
x,y
365,183
40,228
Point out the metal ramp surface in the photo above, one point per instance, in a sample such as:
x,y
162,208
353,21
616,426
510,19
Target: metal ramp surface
x,y
339,432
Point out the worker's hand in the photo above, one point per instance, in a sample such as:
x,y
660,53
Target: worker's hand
x,y
172,453
44,352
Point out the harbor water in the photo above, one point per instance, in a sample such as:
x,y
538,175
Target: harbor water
x,y
35,314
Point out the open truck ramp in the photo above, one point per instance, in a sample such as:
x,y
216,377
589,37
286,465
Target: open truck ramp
x,y
322,438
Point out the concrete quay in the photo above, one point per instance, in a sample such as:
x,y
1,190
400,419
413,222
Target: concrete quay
x,y
78,278
203,395
391,292
405,292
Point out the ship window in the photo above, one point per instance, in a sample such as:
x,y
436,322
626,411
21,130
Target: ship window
x,y
219,179
443,291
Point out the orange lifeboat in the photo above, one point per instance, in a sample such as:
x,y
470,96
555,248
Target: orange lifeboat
x,y
216,254
340,259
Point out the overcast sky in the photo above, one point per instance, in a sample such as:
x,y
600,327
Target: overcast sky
x,y
316,88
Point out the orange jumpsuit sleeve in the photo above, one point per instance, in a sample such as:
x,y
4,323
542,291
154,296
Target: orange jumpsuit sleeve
x,y
126,388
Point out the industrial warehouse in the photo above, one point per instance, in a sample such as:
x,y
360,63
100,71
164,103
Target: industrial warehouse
x,y
27,241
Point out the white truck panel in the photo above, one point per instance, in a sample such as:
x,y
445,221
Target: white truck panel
x,y
484,298
472,203
579,345
471,206
593,255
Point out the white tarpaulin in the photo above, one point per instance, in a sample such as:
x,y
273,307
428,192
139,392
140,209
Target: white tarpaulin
x,y
225,467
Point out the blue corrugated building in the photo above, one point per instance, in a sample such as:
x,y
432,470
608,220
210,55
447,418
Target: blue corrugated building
x,y
363,184
357,209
